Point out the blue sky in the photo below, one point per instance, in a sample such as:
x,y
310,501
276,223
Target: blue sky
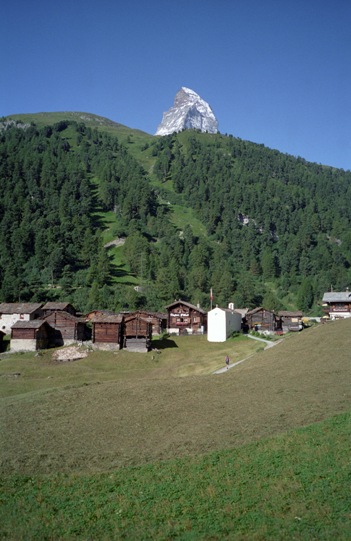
x,y
274,72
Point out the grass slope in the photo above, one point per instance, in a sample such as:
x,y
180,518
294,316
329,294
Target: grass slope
x,y
141,412
259,452
293,486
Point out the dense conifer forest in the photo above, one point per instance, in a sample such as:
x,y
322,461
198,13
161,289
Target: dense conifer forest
x,y
275,229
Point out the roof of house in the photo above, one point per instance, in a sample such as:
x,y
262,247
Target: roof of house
x,y
337,296
286,313
259,309
66,315
242,311
32,324
230,310
107,318
56,305
188,304
19,307
147,313
130,317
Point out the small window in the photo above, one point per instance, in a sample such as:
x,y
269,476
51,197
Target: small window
x,y
21,316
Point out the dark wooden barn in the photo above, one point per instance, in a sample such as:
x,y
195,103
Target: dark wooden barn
x,y
262,320
290,321
31,335
158,320
68,329
186,318
137,333
107,331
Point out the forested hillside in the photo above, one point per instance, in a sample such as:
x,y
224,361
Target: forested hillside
x,y
194,211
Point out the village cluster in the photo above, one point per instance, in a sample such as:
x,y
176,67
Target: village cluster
x,y
34,326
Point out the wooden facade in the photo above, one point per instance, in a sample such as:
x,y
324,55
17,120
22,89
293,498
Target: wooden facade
x,y
337,304
51,307
290,321
186,318
262,320
137,332
68,328
31,335
158,320
107,331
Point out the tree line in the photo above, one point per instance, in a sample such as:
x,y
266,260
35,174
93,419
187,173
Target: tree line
x,y
277,227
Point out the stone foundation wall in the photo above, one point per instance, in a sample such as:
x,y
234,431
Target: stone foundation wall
x,y
23,345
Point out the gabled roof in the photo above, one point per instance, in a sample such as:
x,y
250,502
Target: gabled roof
x,y
188,304
33,324
337,296
56,305
241,311
19,307
66,315
107,318
286,313
145,313
259,309
135,315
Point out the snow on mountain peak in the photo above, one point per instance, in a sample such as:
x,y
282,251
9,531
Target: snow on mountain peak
x,y
189,111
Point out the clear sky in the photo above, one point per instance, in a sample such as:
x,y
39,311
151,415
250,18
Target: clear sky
x,y
276,72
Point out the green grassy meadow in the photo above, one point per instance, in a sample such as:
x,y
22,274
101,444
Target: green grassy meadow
x,y
154,446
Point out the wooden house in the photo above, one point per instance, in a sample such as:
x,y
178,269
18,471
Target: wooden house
x,y
137,333
107,331
186,318
262,320
337,304
222,322
50,307
290,321
18,311
30,335
68,329
158,320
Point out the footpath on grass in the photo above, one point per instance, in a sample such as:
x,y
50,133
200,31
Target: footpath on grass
x,y
269,344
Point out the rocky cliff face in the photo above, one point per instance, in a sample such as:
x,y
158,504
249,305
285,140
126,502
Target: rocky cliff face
x,y
189,111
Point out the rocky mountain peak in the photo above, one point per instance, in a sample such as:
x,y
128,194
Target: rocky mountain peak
x,y
189,111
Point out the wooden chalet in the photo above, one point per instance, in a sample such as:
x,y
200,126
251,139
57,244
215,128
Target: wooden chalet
x,y
158,320
137,332
68,329
290,321
337,304
50,307
18,311
262,320
31,335
107,331
186,318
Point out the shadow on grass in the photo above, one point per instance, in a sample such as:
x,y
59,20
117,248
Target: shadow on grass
x,y
163,343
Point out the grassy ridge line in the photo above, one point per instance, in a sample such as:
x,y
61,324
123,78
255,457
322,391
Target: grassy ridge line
x,y
293,486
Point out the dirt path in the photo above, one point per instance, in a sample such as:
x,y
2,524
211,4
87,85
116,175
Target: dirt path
x,y
269,344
